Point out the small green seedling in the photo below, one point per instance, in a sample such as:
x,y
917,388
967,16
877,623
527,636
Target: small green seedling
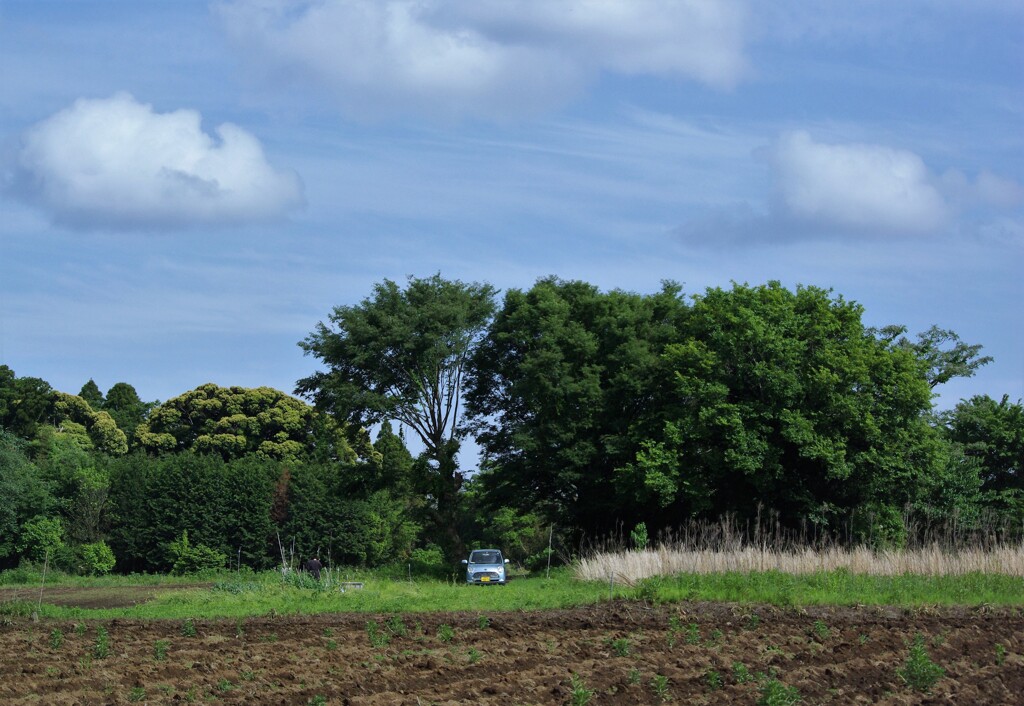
x,y
621,646
56,638
775,693
714,680
160,650
919,672
101,649
581,695
659,683
445,633
188,628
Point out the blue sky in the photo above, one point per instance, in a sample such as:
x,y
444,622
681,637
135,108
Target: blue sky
x,y
186,188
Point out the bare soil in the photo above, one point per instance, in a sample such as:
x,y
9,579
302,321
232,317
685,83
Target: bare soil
x,y
830,655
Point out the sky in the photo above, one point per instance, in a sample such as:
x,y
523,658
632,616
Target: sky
x,y
187,188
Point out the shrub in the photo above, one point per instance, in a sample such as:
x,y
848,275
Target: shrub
x,y
639,537
97,558
187,558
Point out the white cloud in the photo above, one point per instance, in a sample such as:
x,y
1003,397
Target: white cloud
x,y
855,186
488,58
117,163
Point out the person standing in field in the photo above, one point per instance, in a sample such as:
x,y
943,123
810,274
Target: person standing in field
x,y
313,566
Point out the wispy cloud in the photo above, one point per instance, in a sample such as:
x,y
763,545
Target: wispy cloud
x,y
485,59
117,163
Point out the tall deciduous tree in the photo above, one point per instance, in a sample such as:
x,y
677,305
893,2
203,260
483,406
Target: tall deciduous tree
x,y
783,398
567,385
402,354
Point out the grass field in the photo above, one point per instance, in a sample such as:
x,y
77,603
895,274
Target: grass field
x,y
230,595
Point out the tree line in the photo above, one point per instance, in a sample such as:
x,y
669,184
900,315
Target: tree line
x,y
593,410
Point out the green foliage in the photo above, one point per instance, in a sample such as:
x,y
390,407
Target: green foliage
x,y
24,495
919,672
713,679
566,386
785,399
97,558
24,403
775,693
101,649
92,429
188,628
378,637
992,435
41,536
659,683
741,674
401,354
56,639
639,536
821,630
879,526
580,694
237,421
445,633
90,392
126,408
940,353
188,558
160,650
621,646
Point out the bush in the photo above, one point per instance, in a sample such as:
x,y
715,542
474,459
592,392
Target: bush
x,y
190,559
429,561
97,558
880,526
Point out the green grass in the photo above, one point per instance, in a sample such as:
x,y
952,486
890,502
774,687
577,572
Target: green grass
x,y
249,594
836,588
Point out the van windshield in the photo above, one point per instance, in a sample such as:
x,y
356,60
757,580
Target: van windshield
x,y
485,557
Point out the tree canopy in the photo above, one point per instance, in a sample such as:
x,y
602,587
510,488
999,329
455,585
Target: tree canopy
x,y
236,421
402,354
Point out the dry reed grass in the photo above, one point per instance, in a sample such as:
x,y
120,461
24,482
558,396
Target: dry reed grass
x,y
631,566
948,548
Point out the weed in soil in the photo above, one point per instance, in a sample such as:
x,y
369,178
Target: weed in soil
x,y
919,672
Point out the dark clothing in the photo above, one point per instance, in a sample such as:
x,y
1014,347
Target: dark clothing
x,y
313,566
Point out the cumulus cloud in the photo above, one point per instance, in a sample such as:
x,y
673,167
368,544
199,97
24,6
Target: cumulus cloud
x,y
486,58
863,190
855,186
117,163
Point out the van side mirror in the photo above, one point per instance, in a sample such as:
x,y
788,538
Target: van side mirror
x,y
507,561
464,561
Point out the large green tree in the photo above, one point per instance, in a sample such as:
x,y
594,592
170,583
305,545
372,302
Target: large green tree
x,y
784,399
127,409
402,354
567,385
25,403
990,434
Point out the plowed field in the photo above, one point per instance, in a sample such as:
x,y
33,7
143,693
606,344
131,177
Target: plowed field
x,y
625,653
